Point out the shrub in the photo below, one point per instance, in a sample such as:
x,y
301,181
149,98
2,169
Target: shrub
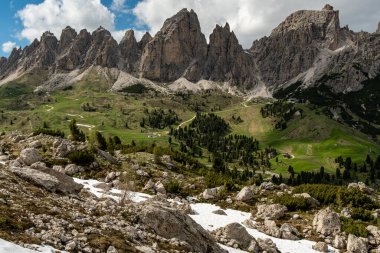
x,y
173,186
325,194
76,134
361,214
51,132
354,227
81,157
293,204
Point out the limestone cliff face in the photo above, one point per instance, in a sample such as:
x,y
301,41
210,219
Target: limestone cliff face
x,y
226,59
130,51
74,56
293,46
178,49
104,50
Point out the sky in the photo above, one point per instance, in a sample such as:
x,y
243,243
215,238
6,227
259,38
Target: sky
x,y
22,21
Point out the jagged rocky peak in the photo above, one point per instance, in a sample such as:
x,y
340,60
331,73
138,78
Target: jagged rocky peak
x,y
48,41
68,35
75,54
177,50
104,50
226,59
130,52
320,25
144,40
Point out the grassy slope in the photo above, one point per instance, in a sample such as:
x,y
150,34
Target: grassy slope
x,y
314,140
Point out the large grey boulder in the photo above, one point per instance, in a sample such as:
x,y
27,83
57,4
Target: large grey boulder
x,y
357,244
29,156
375,232
48,179
272,211
339,242
246,194
321,247
171,223
211,193
327,222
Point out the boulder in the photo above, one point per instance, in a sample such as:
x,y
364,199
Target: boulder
x,y
267,245
29,156
339,242
268,186
63,147
270,228
326,222
48,179
35,144
357,244
237,232
112,249
362,187
321,247
71,169
312,201
246,194
159,187
219,212
289,232
375,232
171,223
273,211
211,193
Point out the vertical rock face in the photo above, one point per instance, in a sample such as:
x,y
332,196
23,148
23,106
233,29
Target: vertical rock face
x,y
378,28
130,52
177,50
104,50
67,37
294,45
75,55
144,40
226,59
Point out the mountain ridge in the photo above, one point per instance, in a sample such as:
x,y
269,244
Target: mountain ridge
x,y
308,49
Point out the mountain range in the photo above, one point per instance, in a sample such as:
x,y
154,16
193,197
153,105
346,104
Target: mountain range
x,y
309,56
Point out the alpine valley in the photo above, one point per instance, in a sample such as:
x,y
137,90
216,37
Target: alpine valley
x,y
175,143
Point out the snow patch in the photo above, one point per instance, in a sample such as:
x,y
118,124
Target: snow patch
x,y
114,194
9,247
210,221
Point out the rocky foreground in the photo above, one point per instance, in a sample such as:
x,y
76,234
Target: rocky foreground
x,y
45,198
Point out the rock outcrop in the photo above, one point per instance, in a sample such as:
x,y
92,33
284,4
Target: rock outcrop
x,y
272,212
357,244
378,28
326,222
170,223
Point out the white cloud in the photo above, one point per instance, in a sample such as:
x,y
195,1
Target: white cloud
x,y
8,46
252,19
54,15
118,4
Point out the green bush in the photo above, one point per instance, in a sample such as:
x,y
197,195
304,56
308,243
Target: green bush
x,y
81,157
325,194
292,203
338,195
173,186
354,227
51,132
361,214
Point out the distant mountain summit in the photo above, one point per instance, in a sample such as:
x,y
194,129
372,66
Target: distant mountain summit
x,y
308,51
